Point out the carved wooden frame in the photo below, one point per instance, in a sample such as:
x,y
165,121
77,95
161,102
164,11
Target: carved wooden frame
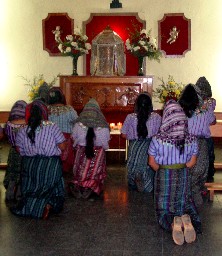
x,y
183,43
48,24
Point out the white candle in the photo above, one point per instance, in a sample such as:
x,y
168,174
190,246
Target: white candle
x,y
112,126
119,125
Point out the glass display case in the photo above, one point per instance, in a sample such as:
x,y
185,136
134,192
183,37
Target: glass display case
x,y
107,55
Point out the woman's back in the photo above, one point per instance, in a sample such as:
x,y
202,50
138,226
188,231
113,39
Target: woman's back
x,y
130,125
102,135
64,116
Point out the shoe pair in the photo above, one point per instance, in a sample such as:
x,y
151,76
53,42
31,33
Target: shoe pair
x,y
183,230
75,192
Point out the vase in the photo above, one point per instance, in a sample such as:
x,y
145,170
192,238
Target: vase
x,y
75,64
140,65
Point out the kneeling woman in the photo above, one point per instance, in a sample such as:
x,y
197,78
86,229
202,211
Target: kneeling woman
x,y
40,144
171,153
91,135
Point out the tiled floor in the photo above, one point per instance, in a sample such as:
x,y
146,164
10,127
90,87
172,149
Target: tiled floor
x,y
122,222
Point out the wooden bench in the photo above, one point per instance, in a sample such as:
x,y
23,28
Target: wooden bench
x,y
212,187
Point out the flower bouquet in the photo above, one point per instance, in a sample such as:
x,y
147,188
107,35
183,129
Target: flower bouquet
x,y
35,84
168,90
74,46
141,44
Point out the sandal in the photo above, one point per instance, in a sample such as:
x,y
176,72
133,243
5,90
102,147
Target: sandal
x,y
189,231
46,212
74,191
86,193
178,236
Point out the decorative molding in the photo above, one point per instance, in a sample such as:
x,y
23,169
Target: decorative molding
x,y
49,25
174,35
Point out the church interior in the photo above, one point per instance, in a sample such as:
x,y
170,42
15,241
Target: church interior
x,y
186,35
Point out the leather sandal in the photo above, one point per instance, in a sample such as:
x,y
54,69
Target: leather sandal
x,y
189,231
178,236
46,212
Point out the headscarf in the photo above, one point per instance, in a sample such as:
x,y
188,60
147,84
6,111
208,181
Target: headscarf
x,y
56,95
44,92
174,121
92,116
202,107
205,88
18,110
41,105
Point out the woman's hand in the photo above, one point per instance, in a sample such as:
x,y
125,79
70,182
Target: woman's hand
x,y
62,146
153,164
192,162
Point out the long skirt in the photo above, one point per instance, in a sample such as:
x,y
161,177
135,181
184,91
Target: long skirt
x,y
210,145
173,197
13,170
68,154
137,165
89,173
12,176
199,172
41,184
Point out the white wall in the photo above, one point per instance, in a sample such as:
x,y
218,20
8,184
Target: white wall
x,y
22,51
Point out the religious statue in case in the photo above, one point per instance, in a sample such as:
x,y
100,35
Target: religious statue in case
x,y
107,55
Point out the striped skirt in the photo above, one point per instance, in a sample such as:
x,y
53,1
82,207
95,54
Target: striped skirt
x,y
89,173
13,170
199,172
173,197
137,165
41,184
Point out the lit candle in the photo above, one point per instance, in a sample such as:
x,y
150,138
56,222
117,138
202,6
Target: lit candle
x,y
112,126
119,125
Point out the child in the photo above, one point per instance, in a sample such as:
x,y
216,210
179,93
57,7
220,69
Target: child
x,y
210,103
171,152
138,128
15,122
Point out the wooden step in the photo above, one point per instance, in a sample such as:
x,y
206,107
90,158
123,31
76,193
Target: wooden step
x,y
212,187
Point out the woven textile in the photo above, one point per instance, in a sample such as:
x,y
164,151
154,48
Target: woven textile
x,y
205,88
199,172
41,105
92,116
18,110
90,173
42,184
173,197
137,165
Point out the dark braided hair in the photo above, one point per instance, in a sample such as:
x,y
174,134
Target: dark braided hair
x,y
33,122
189,100
90,143
143,109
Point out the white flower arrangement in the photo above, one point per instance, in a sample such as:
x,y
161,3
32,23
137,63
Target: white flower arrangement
x,y
141,44
75,45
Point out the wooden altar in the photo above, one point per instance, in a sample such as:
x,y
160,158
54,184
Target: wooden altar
x,y
116,95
